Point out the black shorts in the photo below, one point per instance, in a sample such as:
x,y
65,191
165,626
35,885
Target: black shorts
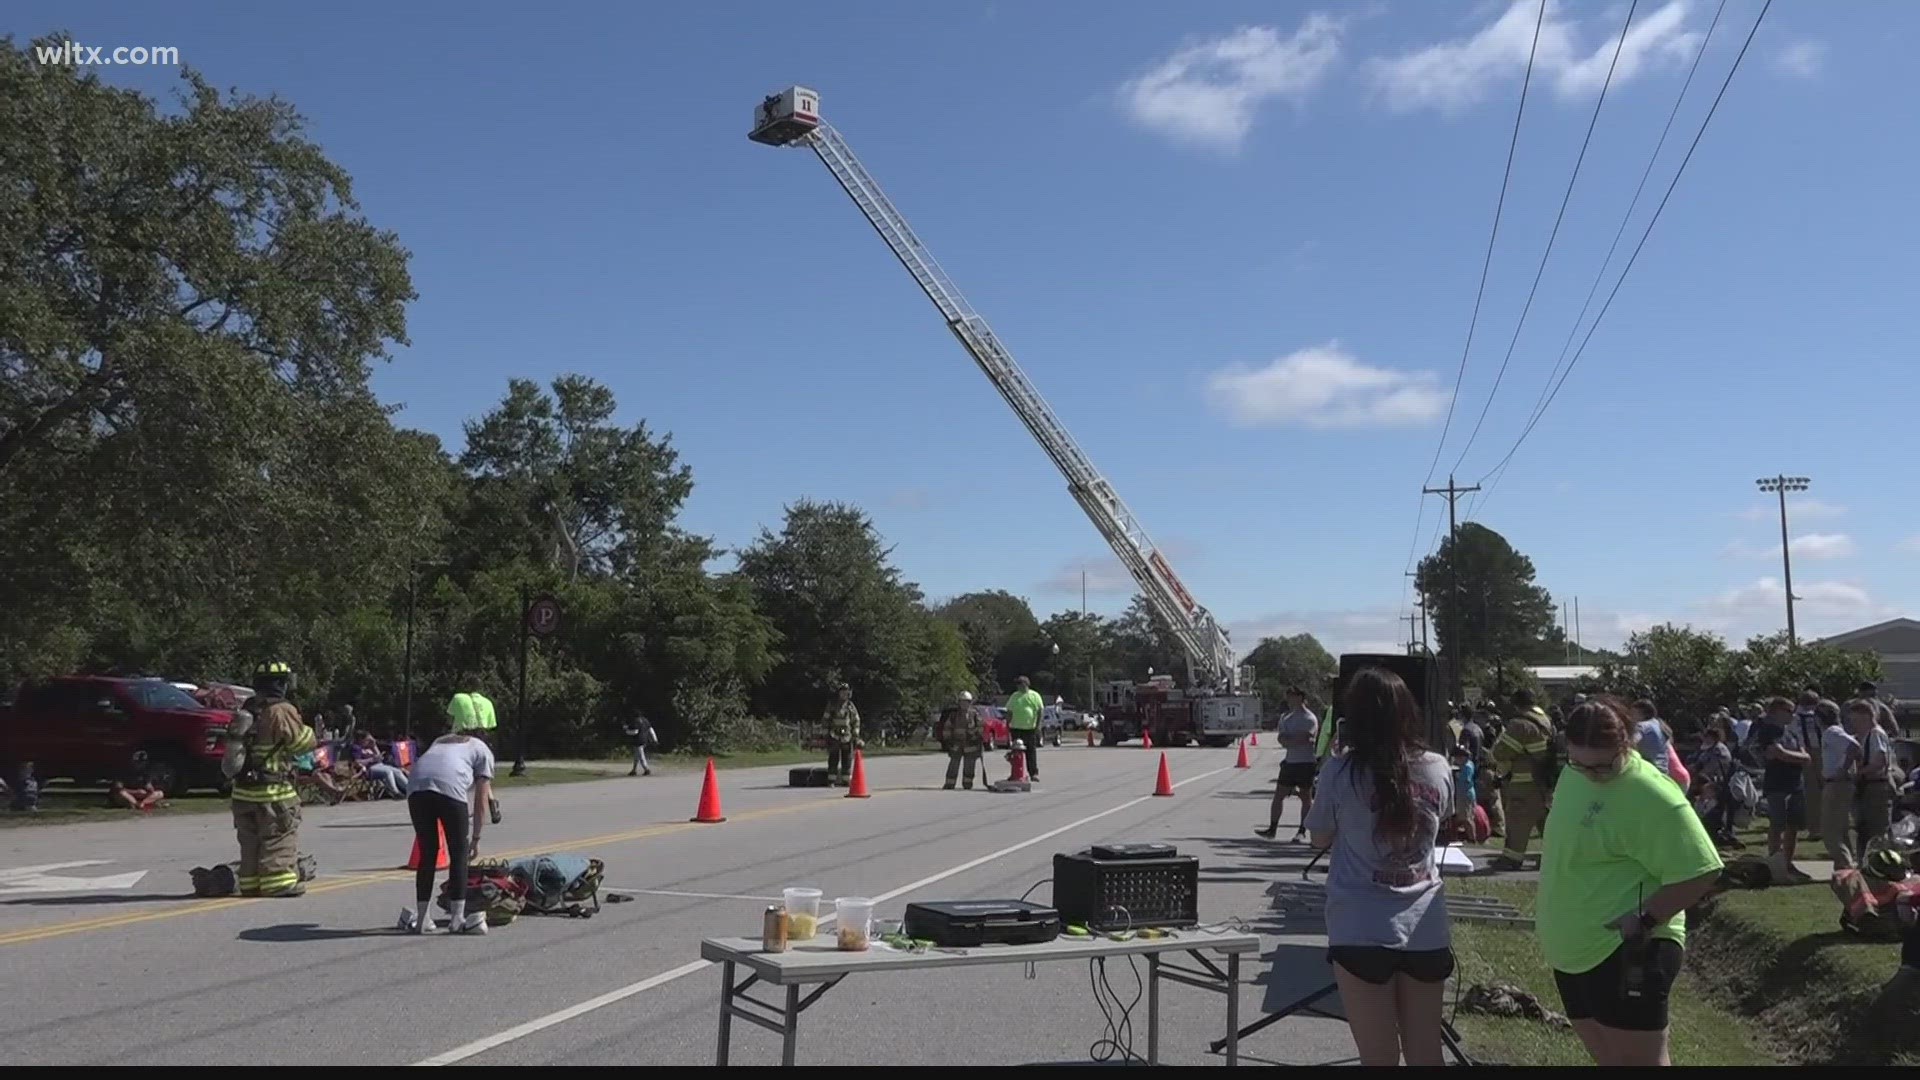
x,y
1298,774
1602,995
1377,964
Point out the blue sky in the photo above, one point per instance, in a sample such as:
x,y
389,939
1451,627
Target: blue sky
x,y
1235,245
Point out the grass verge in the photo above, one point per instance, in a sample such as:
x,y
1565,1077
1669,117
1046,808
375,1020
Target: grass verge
x,y
1779,956
1702,1032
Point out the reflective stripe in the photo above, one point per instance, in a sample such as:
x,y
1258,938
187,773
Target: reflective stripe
x,y
273,883
272,793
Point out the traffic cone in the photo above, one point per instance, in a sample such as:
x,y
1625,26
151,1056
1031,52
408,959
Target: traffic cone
x,y
1254,738
1243,763
1146,739
857,788
1164,786
709,812
413,860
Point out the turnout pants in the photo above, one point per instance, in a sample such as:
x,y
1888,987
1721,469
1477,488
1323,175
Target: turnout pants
x,y
971,756
1526,806
840,760
269,836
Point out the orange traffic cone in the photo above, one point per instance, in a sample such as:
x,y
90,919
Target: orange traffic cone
x,y
1243,763
857,787
709,812
1146,739
413,860
1165,784
1254,738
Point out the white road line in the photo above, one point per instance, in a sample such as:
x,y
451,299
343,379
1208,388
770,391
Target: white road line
x,y
688,895
481,1046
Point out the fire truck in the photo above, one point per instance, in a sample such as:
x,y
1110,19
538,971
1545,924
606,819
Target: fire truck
x,y
1218,704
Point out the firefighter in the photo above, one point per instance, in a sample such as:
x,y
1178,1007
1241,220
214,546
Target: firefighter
x,y
1523,758
961,736
843,735
264,738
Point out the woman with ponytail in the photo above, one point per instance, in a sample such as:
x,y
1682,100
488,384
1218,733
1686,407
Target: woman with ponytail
x,y
1380,808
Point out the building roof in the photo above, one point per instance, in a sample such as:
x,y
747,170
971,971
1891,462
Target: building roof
x,y
1563,673
1854,637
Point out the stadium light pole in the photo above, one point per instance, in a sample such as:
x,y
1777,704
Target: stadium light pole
x,y
1780,485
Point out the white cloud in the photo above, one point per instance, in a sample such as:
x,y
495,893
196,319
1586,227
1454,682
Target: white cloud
x,y
1106,576
1822,609
1456,74
1208,92
1325,387
1802,58
1797,510
1911,543
1360,630
1810,546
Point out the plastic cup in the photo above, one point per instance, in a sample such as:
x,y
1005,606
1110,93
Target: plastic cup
x,y
803,913
853,917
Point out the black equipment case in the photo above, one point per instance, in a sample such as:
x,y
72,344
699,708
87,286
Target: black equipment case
x,y
1147,885
959,924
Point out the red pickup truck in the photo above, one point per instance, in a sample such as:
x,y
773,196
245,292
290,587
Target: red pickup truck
x,y
89,728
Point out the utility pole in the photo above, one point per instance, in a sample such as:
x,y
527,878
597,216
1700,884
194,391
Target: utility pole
x,y
1579,651
1413,642
1453,492
1781,485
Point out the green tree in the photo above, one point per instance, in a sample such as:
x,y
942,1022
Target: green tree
x,y
1085,642
1141,642
553,473
1767,666
1297,660
1500,612
1000,634
149,256
1688,673
843,612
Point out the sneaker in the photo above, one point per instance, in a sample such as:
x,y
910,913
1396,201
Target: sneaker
x,y
1267,833
474,923
1300,836
949,786
410,923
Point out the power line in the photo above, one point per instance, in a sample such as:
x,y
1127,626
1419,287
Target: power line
x,y
1499,207
1641,245
1540,271
1618,234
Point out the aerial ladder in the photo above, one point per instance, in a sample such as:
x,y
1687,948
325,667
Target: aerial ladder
x,y
792,119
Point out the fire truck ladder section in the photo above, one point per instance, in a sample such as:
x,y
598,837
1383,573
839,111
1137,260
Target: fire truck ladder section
x,y
1210,653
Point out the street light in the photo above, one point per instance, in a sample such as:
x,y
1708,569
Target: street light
x,y
1780,485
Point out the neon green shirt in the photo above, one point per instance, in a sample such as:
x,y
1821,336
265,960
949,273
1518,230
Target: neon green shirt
x,y
1607,847
1024,709
471,712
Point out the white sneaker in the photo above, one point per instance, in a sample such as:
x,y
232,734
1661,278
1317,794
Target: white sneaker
x,y
411,924
474,923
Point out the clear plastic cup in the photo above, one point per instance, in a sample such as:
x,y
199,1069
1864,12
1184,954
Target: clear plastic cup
x,y
803,913
853,917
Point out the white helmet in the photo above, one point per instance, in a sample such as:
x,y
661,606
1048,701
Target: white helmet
x,y
966,696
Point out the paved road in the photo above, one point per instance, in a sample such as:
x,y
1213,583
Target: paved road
x,y
145,974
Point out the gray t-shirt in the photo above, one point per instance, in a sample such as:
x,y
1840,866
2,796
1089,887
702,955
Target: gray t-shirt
x,y
1300,722
450,766
1387,892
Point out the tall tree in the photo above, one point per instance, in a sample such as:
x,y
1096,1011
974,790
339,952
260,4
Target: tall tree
x,y
146,255
995,626
1297,660
1085,642
1478,587
842,610
582,493
1142,643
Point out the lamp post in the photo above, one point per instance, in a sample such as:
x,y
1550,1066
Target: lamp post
x,y
1780,485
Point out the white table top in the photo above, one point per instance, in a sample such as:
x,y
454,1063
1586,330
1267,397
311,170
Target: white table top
x,y
820,960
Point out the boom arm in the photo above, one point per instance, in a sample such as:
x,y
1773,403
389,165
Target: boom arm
x,y
1210,653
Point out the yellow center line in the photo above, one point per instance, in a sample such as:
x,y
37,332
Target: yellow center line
x,y
108,922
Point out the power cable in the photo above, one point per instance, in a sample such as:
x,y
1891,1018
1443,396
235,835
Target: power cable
x,y
1625,220
1641,245
1486,266
1541,271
